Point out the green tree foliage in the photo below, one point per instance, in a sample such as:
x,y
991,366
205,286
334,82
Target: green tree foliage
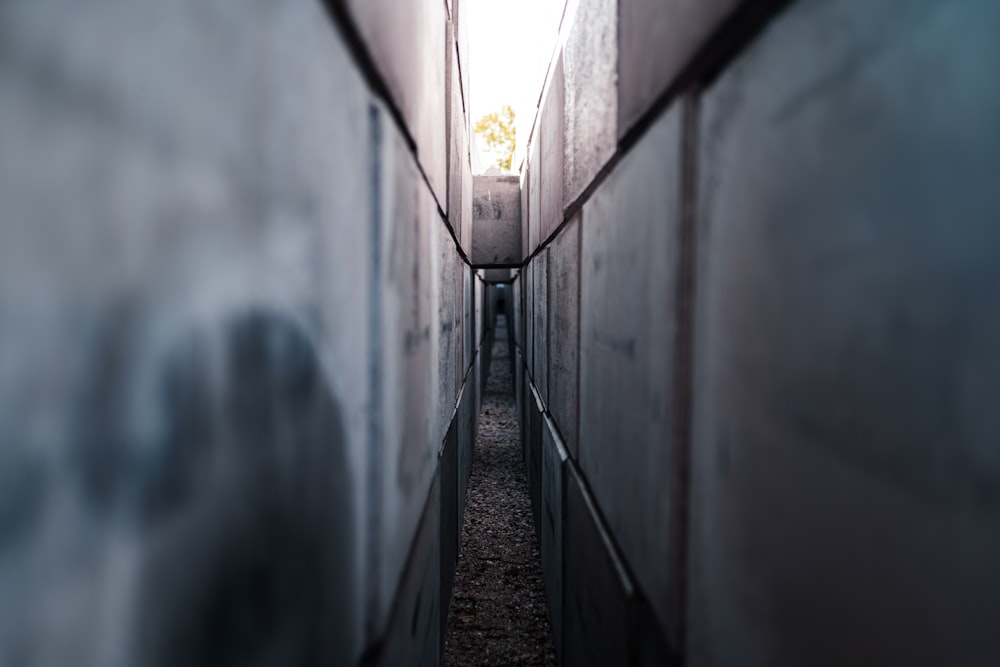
x,y
497,130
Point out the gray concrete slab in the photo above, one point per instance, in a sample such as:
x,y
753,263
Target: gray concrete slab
x,y
467,422
550,178
540,285
445,339
468,316
674,30
461,332
457,137
467,198
416,614
462,38
406,285
492,276
554,456
845,486
591,97
496,221
407,44
449,522
564,328
534,198
525,209
517,293
146,250
533,452
630,238
530,316
478,316
597,594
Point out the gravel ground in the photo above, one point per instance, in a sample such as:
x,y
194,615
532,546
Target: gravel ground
x,y
498,614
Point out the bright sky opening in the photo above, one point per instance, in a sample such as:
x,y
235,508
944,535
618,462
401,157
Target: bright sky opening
x,y
510,45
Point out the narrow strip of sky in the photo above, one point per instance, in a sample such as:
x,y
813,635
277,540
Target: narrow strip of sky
x,y
510,44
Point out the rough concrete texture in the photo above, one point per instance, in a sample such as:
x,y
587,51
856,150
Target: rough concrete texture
x,y
170,311
498,615
846,478
597,594
563,327
530,315
533,452
462,41
534,198
627,314
518,317
496,221
540,361
407,42
554,456
469,316
477,287
457,139
674,30
467,198
449,522
525,207
461,333
497,275
446,269
550,176
406,284
591,80
416,616
468,420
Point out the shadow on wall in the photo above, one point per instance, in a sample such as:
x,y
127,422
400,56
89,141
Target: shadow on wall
x,y
213,533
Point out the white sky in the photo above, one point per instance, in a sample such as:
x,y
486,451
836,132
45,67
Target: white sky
x,y
510,44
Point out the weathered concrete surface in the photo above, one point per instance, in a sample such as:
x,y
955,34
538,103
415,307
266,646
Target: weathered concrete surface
x,y
222,275
462,39
540,349
530,316
591,100
416,617
597,594
846,477
447,266
172,360
673,30
406,284
525,208
534,198
468,316
408,44
458,138
550,176
554,456
450,520
627,319
462,333
563,325
497,275
467,209
468,422
496,221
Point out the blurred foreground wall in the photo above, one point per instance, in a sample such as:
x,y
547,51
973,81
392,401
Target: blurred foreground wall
x,y
757,331
239,332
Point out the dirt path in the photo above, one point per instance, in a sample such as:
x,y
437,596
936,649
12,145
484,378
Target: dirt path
x,y
498,614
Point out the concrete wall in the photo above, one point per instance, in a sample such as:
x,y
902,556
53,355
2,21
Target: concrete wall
x,y
755,332
240,337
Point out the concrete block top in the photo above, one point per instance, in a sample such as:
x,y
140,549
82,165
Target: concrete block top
x,y
496,221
